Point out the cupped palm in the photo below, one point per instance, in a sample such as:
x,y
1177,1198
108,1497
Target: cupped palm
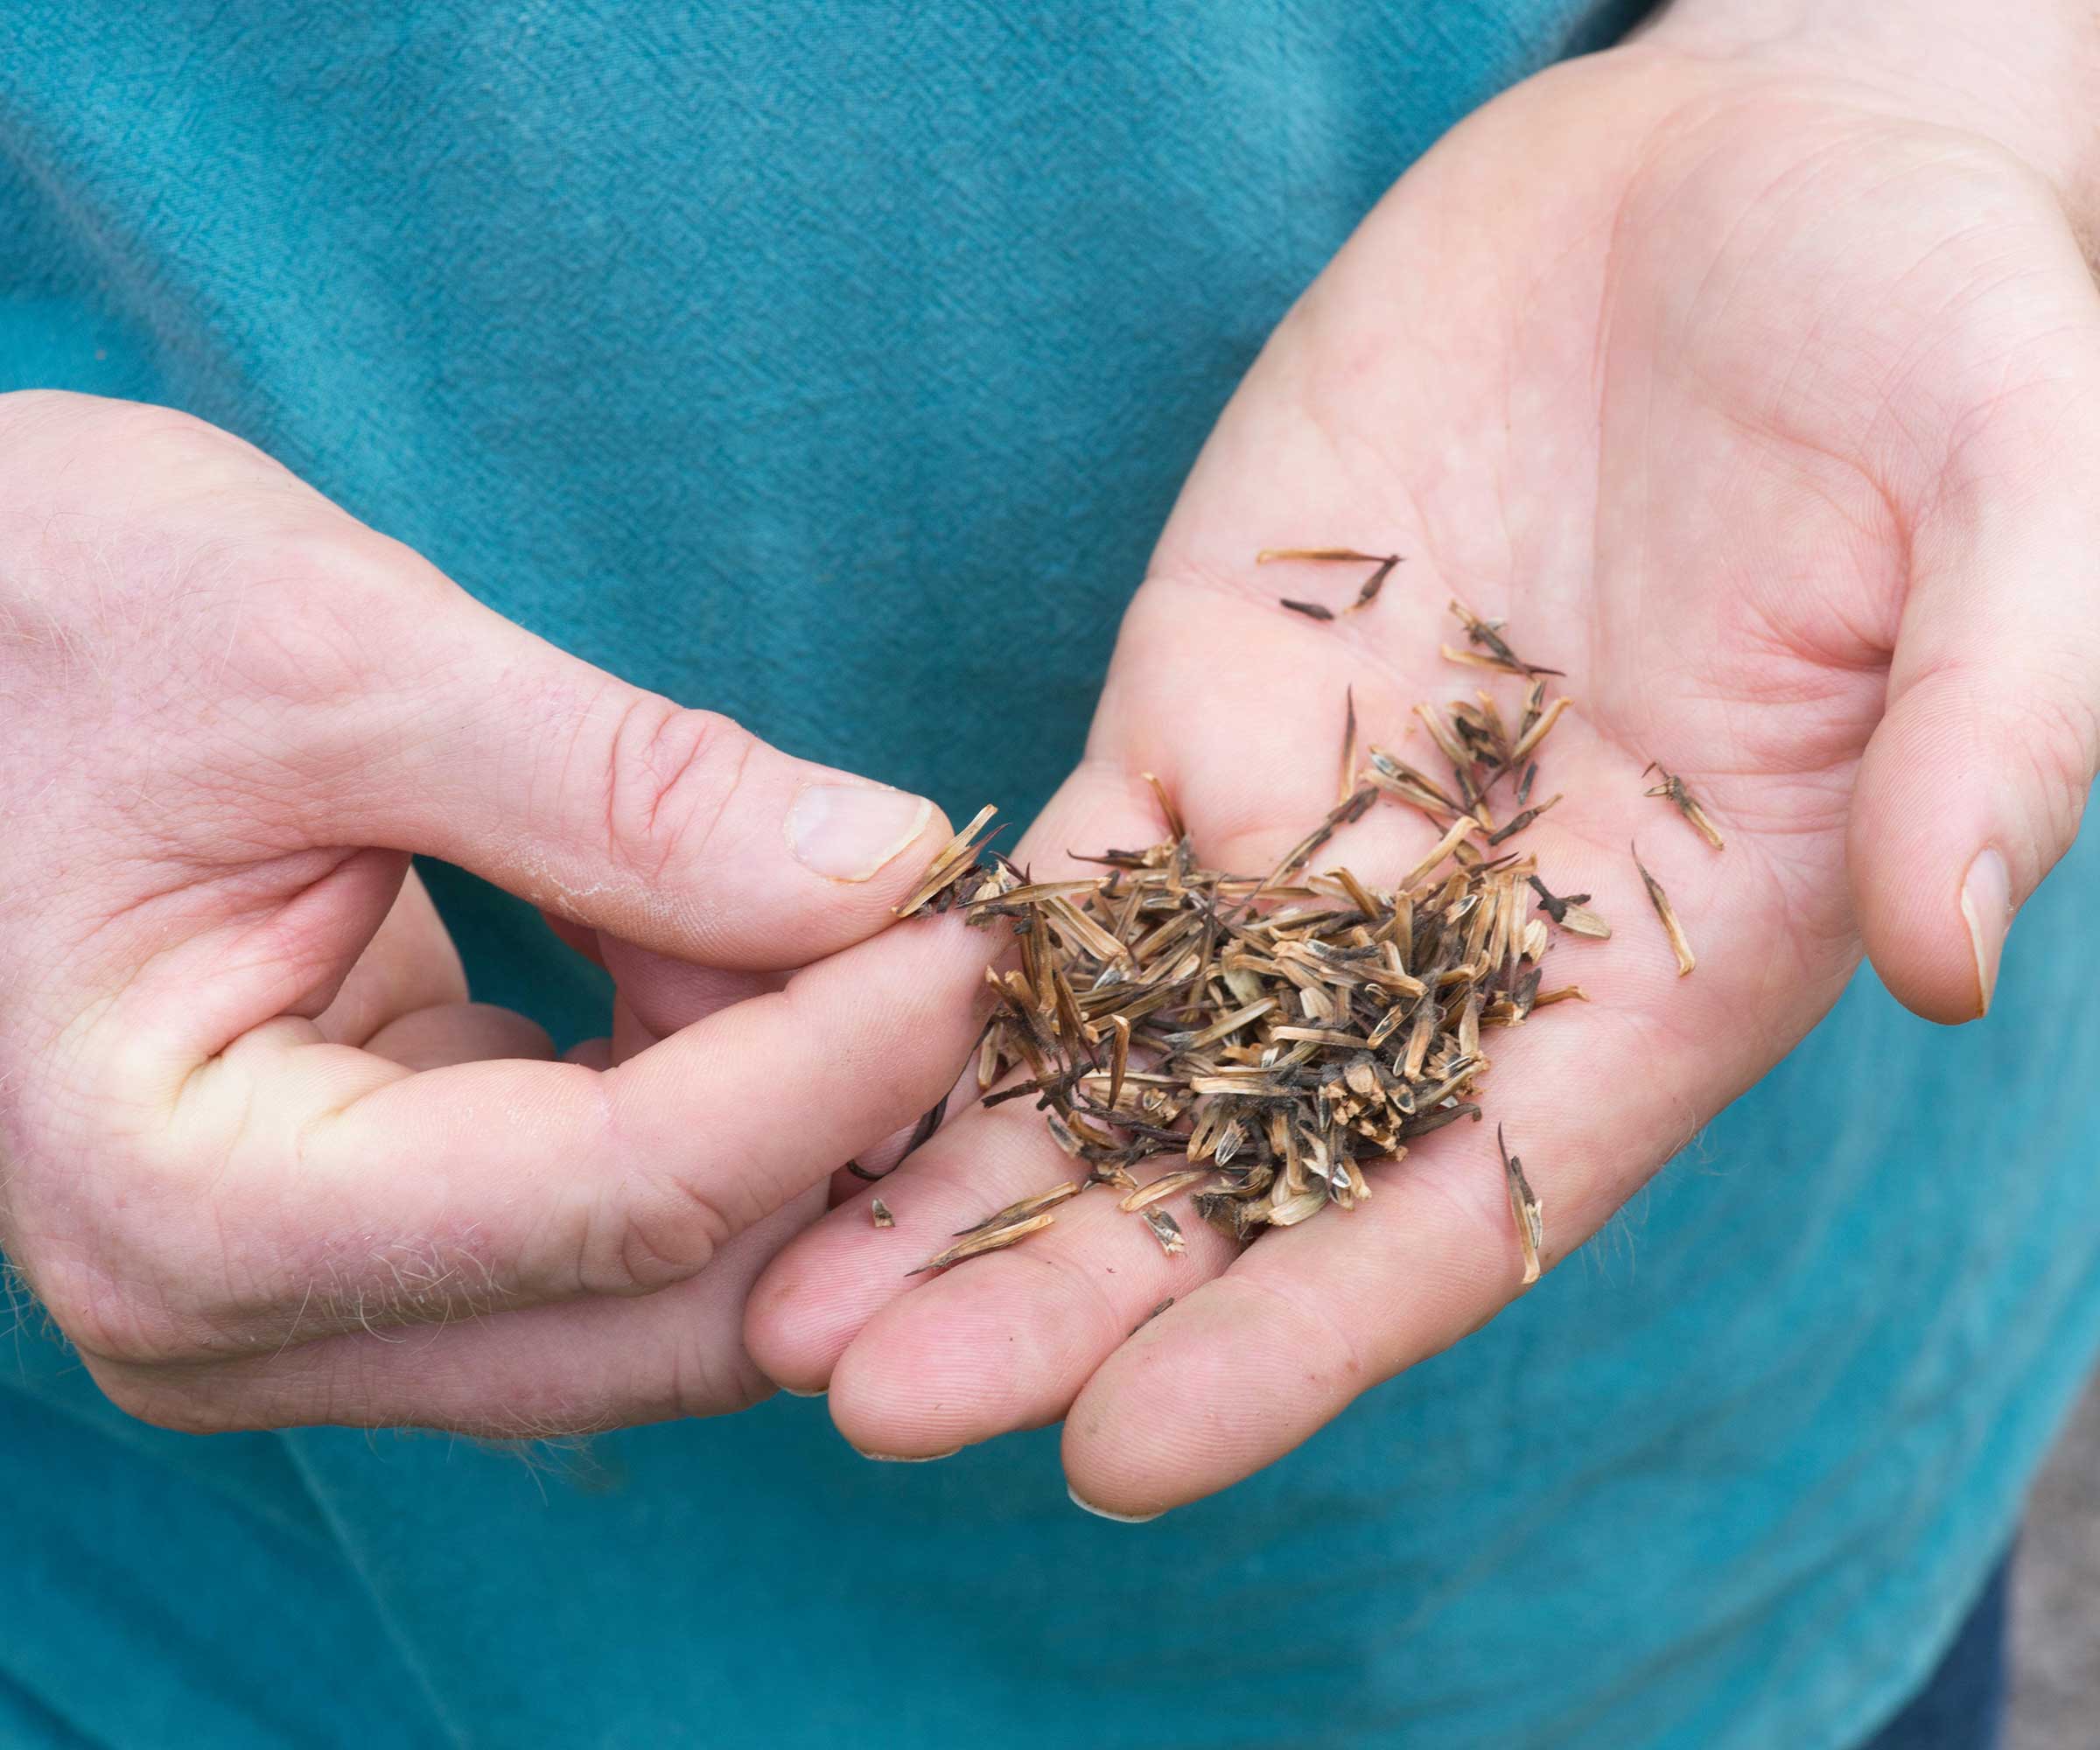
x,y
1770,418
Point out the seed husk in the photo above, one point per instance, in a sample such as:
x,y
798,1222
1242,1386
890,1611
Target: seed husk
x,y
1516,824
992,1240
1525,1206
1527,740
952,865
1372,583
1384,563
1672,786
1026,1209
1443,848
1268,1037
1177,829
1166,1230
1494,649
1166,1186
879,1212
1572,911
1348,751
1665,911
1270,555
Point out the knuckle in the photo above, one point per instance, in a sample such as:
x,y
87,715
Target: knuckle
x,y
111,1320
712,1375
651,1235
673,776
706,1373
120,1282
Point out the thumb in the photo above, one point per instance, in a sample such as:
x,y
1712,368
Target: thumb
x,y
1973,783
610,806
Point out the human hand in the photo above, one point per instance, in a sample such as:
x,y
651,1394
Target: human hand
x,y
1760,392
260,1158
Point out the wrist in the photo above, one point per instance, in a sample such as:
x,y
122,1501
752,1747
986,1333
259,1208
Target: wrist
x,y
2023,78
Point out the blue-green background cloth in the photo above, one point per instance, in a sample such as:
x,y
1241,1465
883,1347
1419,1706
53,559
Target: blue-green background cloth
x,y
806,361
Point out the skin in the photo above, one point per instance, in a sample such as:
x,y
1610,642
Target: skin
x,y
1768,416
1751,373
264,1162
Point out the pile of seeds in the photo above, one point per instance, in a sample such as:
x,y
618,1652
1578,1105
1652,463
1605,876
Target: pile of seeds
x,y
1270,1034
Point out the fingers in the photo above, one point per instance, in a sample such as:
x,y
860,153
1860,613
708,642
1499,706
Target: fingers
x,y
825,1287
1242,1370
535,1373
1262,1347
1008,1339
1245,1368
623,1183
662,994
1974,782
397,1198
311,685
410,964
258,1181
672,829
459,1033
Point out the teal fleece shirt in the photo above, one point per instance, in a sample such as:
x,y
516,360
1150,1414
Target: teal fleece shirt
x,y
803,362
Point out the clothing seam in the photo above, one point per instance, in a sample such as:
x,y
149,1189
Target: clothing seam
x,y
404,1648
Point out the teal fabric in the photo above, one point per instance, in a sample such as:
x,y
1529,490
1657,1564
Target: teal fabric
x,y
805,363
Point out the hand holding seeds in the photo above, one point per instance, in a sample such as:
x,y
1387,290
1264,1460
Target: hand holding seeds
x,y
1623,583
260,1158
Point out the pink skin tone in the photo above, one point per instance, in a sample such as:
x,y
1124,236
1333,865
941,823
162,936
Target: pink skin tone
x,y
266,1163
1763,399
1767,408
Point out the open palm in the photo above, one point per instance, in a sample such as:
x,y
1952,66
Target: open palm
x,y
1772,418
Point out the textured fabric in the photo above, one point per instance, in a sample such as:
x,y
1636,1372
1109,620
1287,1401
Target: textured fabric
x,y
796,360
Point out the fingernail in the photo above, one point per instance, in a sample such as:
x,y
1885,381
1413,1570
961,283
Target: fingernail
x,y
1987,905
846,832
792,1392
903,1459
1080,1500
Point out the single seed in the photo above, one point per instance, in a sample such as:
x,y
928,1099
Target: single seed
x,y
1671,927
1166,1230
995,1239
1529,1211
1673,787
